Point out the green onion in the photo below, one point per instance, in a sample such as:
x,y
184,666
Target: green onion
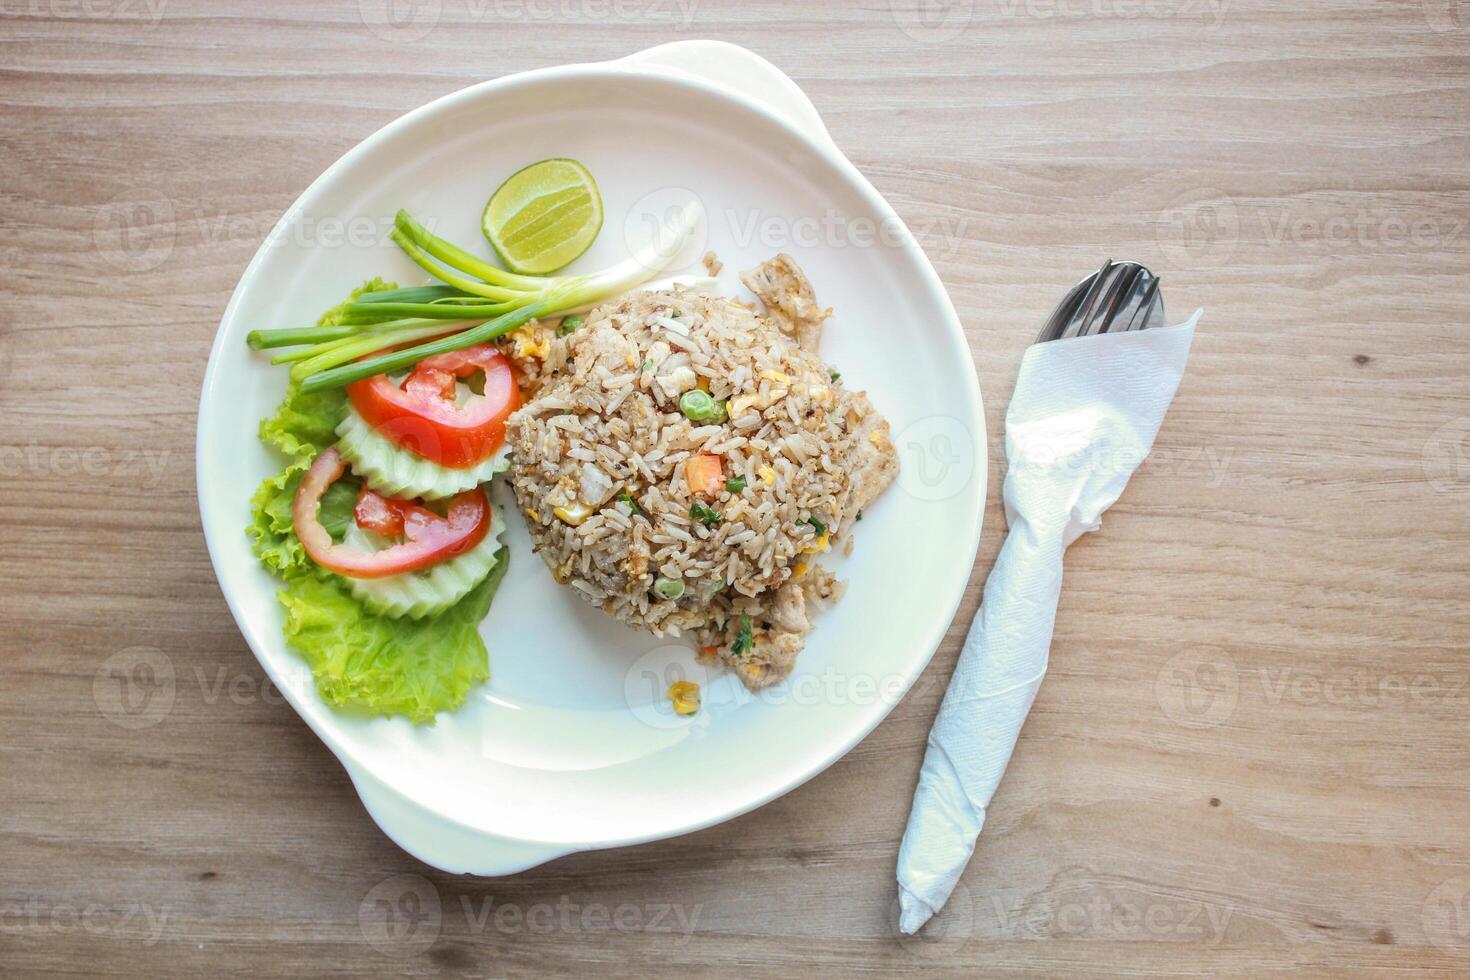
x,y
296,336
735,484
375,312
745,639
627,498
415,294
668,588
321,339
336,377
525,298
457,258
459,282
569,325
698,406
817,525
344,351
705,515
835,374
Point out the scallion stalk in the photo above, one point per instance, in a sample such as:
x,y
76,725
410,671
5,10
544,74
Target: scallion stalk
x,y
459,282
296,336
415,294
455,257
336,377
429,311
342,351
527,298
313,338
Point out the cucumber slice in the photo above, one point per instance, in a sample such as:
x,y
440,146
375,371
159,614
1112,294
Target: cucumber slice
x,y
428,591
396,472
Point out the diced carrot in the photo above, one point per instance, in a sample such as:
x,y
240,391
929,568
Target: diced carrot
x,y
704,473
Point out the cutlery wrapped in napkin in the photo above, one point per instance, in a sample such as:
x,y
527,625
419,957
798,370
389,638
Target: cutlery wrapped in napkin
x,y
1083,417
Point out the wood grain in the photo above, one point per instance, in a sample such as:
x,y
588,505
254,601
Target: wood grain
x,y
1250,755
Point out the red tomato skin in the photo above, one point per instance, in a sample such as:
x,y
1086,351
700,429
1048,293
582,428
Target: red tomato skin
x,y
431,539
422,418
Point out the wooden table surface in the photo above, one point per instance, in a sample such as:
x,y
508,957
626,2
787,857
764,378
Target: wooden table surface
x,y
1251,753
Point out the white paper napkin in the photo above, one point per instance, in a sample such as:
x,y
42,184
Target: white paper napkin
x,y
1083,417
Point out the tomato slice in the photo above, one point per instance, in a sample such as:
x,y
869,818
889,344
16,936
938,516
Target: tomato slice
x,y
422,417
379,514
430,538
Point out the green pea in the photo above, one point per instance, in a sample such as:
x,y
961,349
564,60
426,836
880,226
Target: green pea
x,y
569,324
699,406
668,588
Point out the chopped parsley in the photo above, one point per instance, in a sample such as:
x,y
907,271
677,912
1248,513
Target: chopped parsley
x,y
816,524
705,515
627,498
735,484
745,639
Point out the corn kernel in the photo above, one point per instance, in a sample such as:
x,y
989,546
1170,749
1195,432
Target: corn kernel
x,y
574,513
767,475
685,697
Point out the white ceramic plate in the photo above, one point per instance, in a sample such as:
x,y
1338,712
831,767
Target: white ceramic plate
x,y
572,746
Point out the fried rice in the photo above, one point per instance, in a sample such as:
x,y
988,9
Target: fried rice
x,y
600,451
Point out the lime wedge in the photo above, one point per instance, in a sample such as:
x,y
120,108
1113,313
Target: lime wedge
x,y
544,216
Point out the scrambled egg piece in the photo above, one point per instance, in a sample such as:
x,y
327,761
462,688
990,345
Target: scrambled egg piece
x,y
532,340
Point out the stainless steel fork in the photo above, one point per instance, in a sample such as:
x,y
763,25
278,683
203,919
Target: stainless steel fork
x,y
1118,297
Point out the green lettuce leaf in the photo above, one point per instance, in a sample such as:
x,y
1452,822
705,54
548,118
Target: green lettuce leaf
x,y
372,665
363,663
273,536
304,425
